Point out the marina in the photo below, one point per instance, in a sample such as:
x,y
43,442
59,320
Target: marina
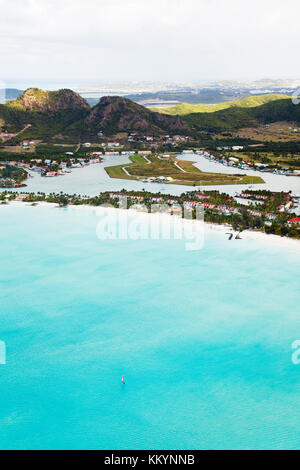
x,y
92,179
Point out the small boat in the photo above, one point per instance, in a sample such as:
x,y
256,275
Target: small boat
x,y
230,235
122,380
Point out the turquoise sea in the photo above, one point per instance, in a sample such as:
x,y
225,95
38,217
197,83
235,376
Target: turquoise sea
x,y
203,339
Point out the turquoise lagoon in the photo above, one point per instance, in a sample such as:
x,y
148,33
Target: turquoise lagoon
x,y
203,339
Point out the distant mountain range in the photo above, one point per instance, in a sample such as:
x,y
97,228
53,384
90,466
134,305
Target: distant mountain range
x,y
65,114
130,88
216,93
152,94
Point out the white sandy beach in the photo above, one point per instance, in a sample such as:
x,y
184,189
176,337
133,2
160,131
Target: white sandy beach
x,y
270,239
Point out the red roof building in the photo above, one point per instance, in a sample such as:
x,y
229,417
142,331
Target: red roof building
x,y
295,220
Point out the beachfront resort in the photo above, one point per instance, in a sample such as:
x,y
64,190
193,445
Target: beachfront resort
x,y
265,211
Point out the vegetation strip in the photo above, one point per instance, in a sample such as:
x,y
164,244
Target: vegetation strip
x,y
267,211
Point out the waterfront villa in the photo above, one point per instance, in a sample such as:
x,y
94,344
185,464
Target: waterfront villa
x,y
294,221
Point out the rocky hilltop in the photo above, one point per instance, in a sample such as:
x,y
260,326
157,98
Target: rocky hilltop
x,y
116,114
34,99
46,114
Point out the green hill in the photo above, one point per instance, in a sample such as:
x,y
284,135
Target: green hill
x,y
249,102
64,114
115,114
34,99
237,117
45,113
38,124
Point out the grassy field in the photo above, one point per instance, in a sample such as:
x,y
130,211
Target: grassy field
x,y
287,160
273,132
185,173
17,149
250,102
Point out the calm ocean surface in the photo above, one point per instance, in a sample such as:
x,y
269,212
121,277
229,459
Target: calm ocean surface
x,y
203,339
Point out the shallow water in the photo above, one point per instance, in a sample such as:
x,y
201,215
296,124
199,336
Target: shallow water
x,y
203,339
93,179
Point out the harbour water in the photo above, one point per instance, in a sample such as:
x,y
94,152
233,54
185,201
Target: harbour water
x,y
202,338
93,179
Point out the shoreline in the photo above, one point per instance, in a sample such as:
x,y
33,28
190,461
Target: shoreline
x,y
272,239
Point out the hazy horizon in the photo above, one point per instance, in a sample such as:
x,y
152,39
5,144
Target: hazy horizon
x,y
141,86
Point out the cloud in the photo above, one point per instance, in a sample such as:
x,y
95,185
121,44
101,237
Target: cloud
x,y
150,40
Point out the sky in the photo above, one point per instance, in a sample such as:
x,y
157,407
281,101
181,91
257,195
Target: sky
x,y
94,41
